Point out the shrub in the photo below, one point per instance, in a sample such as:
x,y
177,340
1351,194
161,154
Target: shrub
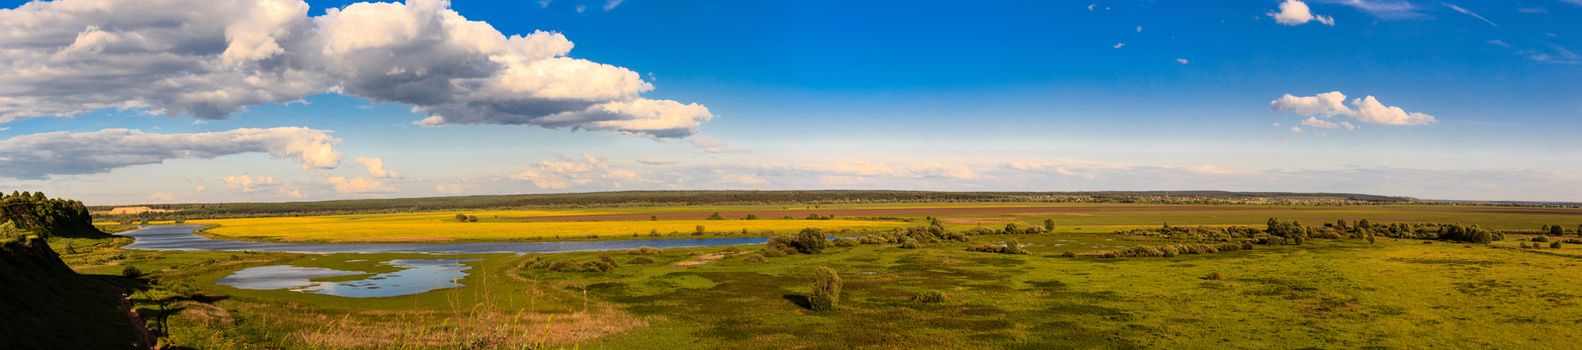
x,y
910,243
471,218
773,253
826,289
1010,247
1214,276
131,272
639,260
929,297
1541,238
1068,254
644,251
1555,245
602,264
809,241
845,242
1525,245
871,240
461,217
731,249
755,258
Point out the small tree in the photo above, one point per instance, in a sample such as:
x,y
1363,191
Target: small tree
x,y
826,289
1049,225
810,241
131,272
653,218
1011,229
698,231
461,217
1557,230
716,216
471,218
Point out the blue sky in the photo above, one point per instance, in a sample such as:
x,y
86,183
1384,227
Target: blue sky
x,y
933,95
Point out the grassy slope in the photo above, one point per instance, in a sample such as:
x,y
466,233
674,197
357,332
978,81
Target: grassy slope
x,y
47,305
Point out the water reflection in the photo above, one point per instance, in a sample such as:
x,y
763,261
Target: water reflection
x,y
416,276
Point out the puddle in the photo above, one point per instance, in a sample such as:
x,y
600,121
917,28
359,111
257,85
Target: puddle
x,y
416,276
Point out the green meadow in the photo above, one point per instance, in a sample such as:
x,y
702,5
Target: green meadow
x,y
1392,293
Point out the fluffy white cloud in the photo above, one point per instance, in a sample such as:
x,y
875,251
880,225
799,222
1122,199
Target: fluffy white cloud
x,y
162,197
449,188
1367,109
39,155
356,185
69,57
375,166
1296,12
566,172
248,183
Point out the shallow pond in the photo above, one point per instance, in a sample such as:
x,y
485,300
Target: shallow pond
x,y
416,276
181,237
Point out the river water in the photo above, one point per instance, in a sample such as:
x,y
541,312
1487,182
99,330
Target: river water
x,y
181,237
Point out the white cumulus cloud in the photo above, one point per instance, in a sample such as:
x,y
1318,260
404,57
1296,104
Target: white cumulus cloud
x,y
375,166
1366,109
566,172
1296,12
69,57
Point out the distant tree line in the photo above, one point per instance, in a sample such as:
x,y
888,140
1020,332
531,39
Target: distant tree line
x,y
698,198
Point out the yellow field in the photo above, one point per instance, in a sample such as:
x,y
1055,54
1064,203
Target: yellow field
x,y
492,225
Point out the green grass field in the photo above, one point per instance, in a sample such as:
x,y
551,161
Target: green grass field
x,y
1395,293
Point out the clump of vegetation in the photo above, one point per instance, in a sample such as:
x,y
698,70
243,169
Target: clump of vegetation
x,y
1556,245
1540,239
871,240
1068,254
601,265
755,258
640,260
1010,247
131,272
929,297
773,252
1214,276
715,216
45,217
809,241
826,289
1165,251
910,243
846,242
644,251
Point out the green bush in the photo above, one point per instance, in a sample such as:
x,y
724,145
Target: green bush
x,y
826,289
644,251
1068,254
131,272
773,252
1010,247
1555,245
755,258
1541,238
845,242
929,297
640,260
809,241
1214,276
871,240
910,243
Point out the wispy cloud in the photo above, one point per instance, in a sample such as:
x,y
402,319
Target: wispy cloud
x,y
1467,12
1383,9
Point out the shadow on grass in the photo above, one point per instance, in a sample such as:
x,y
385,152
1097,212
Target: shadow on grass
x,y
800,300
